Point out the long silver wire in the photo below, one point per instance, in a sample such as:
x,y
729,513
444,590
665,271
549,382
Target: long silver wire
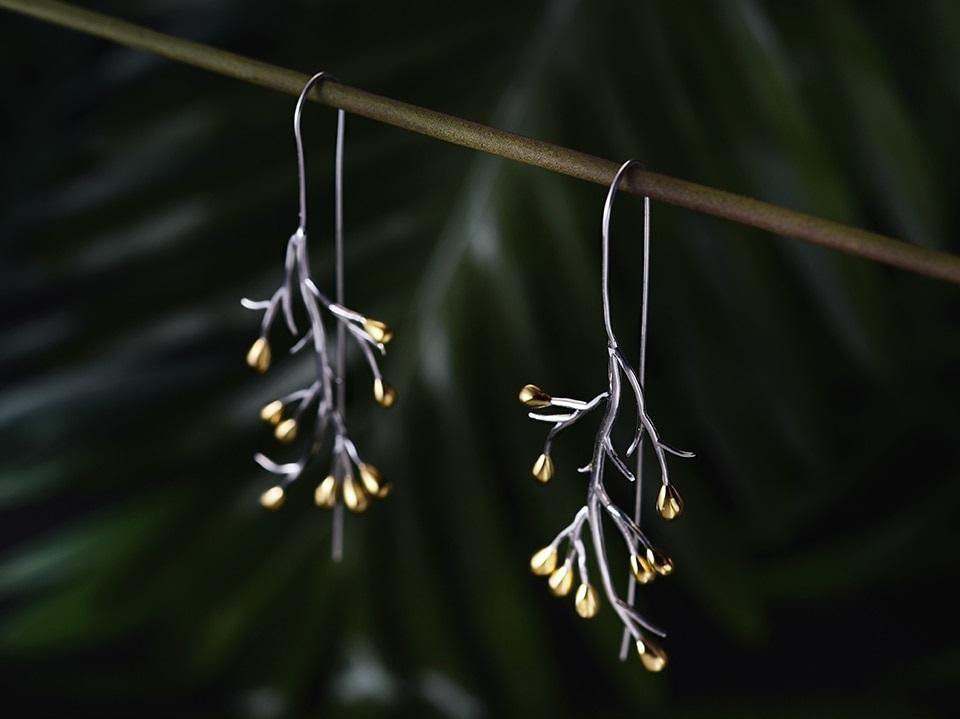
x,y
641,371
337,543
336,548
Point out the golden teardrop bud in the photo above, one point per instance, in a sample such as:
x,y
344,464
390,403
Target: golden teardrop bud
x,y
272,412
354,496
654,659
661,563
669,502
586,601
378,331
642,569
273,498
258,356
561,581
544,561
325,495
383,393
286,431
533,396
543,468
371,479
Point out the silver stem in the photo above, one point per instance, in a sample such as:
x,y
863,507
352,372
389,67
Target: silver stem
x,y
641,372
336,548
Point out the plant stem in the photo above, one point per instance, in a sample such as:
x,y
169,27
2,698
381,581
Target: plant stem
x,y
707,200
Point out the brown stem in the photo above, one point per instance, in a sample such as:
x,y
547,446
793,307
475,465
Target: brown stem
x,y
708,200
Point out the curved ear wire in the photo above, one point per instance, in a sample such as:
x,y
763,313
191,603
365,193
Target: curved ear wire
x,y
298,137
351,482
605,249
646,561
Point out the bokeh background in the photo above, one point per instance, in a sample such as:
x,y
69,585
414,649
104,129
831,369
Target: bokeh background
x,y
141,199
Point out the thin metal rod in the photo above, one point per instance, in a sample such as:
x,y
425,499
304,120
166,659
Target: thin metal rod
x,y
641,374
671,190
337,543
338,244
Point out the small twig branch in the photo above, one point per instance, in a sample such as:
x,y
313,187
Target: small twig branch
x,y
454,130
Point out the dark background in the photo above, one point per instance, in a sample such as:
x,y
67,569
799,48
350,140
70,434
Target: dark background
x,y
817,560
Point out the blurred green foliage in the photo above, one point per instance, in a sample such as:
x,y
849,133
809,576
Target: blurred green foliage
x,y
141,199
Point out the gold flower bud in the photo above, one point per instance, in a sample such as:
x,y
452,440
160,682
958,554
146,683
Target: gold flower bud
x,y
661,563
533,396
544,561
272,412
654,659
543,468
286,431
383,393
258,356
642,569
354,496
586,601
371,479
272,498
378,331
669,502
561,581
325,495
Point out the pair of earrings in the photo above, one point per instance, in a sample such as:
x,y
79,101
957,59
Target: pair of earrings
x,y
353,482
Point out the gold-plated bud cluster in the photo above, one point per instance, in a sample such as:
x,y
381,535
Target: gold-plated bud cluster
x,y
285,430
560,580
647,566
356,493
259,357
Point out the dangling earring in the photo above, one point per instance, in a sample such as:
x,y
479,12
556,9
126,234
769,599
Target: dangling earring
x,y
646,561
351,481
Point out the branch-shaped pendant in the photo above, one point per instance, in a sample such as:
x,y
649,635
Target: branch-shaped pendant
x,y
351,481
646,561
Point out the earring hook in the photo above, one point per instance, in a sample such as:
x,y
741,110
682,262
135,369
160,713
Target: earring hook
x,y
319,77
605,261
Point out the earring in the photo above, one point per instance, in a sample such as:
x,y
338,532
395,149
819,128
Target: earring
x,y
646,561
351,481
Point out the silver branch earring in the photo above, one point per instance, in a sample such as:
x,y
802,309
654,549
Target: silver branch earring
x,y
646,561
351,481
